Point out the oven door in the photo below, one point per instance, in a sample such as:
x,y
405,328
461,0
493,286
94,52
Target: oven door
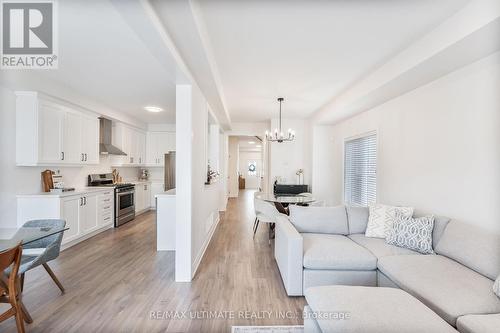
x,y
125,208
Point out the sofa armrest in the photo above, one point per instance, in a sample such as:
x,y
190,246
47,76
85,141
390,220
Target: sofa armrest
x,y
288,251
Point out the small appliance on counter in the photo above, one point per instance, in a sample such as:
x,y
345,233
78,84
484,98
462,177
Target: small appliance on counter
x,y
124,195
53,182
144,174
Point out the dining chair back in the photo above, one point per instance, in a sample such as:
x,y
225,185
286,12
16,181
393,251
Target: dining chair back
x,y
264,212
10,291
44,250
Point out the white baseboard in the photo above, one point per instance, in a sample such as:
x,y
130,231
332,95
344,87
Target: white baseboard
x,y
87,236
200,255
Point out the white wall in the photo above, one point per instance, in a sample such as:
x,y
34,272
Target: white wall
x,y
197,204
21,180
438,147
233,155
287,158
251,182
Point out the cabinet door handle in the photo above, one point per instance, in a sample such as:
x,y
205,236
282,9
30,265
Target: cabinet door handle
x,y
82,158
81,201
85,156
62,156
107,207
85,201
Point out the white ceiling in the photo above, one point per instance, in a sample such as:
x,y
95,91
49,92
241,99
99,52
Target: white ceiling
x,y
306,51
103,59
245,144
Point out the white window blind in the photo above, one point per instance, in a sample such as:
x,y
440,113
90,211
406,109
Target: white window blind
x,y
360,171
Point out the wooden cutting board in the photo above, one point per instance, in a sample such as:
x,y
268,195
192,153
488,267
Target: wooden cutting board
x,y
47,182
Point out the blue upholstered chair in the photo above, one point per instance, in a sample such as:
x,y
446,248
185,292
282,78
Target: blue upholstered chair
x,y
42,251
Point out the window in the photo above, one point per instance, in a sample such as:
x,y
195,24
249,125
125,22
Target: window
x,y
252,168
360,171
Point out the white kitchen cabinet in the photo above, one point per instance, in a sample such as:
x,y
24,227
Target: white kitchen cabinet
x,y
88,213
156,188
142,196
72,138
85,213
50,132
132,142
158,144
90,140
70,212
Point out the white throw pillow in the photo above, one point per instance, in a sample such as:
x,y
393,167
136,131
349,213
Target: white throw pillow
x,y
382,217
496,286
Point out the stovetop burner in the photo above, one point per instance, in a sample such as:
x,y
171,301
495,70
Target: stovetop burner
x,y
105,180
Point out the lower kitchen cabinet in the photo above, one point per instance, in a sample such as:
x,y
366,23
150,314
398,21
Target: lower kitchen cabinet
x,y
85,213
142,197
156,188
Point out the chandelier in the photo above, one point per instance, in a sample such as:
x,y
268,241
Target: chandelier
x,y
277,135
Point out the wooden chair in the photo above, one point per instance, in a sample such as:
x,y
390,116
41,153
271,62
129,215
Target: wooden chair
x,y
10,287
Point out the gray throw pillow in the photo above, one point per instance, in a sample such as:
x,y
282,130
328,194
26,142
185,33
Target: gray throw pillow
x,y
496,286
412,233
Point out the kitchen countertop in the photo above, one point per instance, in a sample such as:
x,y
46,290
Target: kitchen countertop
x,y
78,191
168,193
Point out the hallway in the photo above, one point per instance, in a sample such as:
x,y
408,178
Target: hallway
x,y
115,280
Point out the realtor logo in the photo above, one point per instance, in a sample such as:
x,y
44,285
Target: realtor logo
x,y
28,35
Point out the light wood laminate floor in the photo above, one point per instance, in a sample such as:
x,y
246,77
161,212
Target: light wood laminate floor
x,y
115,280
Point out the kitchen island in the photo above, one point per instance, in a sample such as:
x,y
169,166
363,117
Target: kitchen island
x,y
165,221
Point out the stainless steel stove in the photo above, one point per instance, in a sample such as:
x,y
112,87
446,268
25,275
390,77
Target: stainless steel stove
x,y
124,196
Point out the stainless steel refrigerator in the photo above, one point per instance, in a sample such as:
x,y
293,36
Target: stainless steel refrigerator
x,y
169,176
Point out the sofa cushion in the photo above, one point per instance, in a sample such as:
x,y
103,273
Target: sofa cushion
x,y
447,287
347,309
382,217
379,247
357,218
413,233
323,251
479,323
440,223
472,247
324,220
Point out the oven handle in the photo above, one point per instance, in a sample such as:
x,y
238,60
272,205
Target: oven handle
x,y
125,193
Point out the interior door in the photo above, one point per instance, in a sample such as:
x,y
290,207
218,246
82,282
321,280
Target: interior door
x,y
72,138
90,140
50,127
71,211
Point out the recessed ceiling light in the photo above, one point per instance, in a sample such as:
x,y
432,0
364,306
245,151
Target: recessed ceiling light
x,y
251,142
153,109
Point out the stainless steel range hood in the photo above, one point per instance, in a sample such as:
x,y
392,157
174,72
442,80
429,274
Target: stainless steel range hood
x,y
105,137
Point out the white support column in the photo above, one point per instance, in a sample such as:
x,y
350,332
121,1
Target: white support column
x,y
183,136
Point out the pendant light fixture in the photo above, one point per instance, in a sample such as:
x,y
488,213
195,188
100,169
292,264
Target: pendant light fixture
x,y
278,135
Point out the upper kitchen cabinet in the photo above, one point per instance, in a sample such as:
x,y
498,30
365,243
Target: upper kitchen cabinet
x,y
158,144
132,142
49,132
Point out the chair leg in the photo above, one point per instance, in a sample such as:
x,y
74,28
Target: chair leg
x,y
254,223
53,276
22,282
255,230
19,319
26,314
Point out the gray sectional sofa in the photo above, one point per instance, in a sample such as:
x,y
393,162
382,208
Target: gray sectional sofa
x,y
325,246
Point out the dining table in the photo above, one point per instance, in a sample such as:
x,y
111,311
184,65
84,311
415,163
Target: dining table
x,y
282,201
11,237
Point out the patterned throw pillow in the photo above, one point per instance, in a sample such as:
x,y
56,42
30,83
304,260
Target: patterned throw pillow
x,y
496,286
381,219
412,233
